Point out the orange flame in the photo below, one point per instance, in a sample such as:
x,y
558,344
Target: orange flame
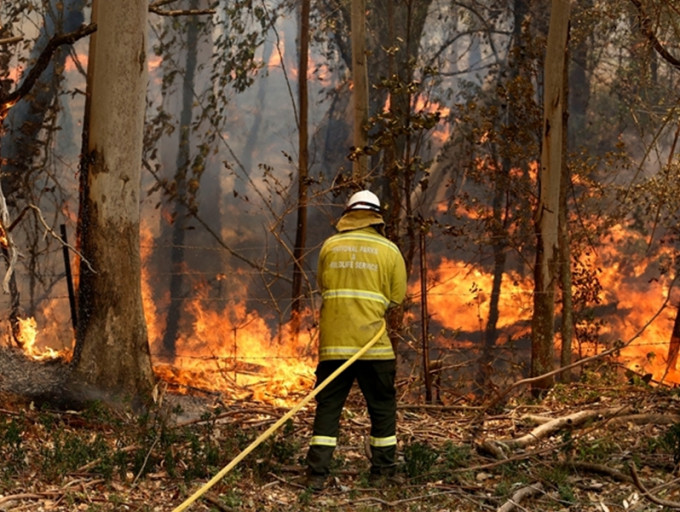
x,y
234,351
27,336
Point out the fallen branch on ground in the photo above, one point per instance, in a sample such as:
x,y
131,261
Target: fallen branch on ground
x,y
546,429
521,494
588,467
647,494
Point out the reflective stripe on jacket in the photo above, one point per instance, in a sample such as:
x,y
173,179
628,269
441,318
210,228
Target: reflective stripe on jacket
x,y
361,273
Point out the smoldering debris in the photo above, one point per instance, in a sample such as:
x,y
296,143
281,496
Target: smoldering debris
x,y
28,377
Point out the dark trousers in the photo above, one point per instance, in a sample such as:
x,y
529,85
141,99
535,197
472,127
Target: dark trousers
x,y
376,381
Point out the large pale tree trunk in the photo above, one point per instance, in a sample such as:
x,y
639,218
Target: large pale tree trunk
x,y
542,350
112,351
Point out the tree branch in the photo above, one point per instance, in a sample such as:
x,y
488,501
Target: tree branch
x,y
555,425
182,12
646,27
647,494
521,494
42,63
10,40
155,8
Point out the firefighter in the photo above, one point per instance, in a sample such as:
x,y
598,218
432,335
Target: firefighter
x,y
360,274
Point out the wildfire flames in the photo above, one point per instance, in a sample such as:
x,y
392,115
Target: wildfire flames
x,y
27,337
235,352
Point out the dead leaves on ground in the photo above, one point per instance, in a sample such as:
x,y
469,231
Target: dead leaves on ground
x,y
615,450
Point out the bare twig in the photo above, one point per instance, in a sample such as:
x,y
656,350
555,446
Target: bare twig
x,y
86,467
146,459
218,238
11,40
28,496
182,12
647,419
599,469
215,502
396,503
49,230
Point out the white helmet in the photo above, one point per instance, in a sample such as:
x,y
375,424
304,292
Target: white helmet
x,y
364,200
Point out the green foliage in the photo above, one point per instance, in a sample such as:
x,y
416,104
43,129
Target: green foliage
x,y
69,451
284,446
513,474
203,456
232,499
567,394
419,458
11,450
558,478
113,446
668,442
597,450
455,456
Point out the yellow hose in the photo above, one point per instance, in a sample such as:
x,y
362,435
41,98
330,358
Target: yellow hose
x,y
280,422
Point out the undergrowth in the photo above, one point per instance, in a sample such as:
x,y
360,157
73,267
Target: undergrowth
x,y
125,450
52,445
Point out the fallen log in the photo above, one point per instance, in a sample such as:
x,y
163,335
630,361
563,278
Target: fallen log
x,y
546,429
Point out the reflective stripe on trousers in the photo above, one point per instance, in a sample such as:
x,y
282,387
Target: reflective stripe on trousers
x,y
376,380
378,442
323,441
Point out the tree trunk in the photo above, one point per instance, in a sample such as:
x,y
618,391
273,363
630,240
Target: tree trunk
x,y
567,325
542,350
499,223
111,356
303,168
673,346
424,317
177,257
360,92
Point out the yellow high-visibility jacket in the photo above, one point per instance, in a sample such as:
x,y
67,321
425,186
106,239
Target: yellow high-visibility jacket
x,y
361,274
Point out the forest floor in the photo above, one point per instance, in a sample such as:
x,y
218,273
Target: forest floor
x,y
595,445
